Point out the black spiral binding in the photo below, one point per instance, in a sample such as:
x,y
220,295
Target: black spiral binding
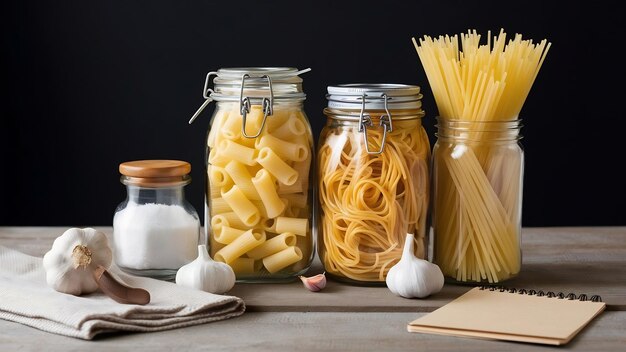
x,y
570,296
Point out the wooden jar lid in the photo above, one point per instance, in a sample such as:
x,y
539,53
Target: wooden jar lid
x,y
155,173
155,168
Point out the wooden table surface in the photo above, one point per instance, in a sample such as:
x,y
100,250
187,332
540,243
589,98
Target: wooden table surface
x,y
346,318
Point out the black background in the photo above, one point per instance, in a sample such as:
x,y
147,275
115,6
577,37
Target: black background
x,y
87,85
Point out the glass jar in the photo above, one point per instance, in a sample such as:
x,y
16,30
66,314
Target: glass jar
x,y
373,175
477,200
259,199
155,230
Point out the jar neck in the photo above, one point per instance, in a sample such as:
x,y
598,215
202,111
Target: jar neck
x,y
351,116
479,131
174,195
414,122
278,103
258,83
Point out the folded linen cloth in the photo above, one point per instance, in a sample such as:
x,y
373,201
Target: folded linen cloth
x,y
26,298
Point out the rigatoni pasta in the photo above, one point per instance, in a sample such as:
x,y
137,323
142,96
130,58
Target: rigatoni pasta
x,y
286,150
226,234
260,181
219,204
228,218
240,175
219,177
266,188
241,245
242,206
242,266
231,127
282,259
273,245
236,151
297,226
296,187
270,160
291,130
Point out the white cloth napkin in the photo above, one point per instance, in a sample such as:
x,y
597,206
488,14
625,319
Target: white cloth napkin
x,y
26,298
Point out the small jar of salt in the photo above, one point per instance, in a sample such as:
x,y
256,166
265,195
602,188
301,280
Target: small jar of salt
x,y
155,230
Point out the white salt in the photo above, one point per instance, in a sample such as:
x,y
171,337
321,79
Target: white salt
x,y
154,236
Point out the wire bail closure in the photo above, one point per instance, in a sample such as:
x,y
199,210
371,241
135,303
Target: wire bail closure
x,y
244,105
244,102
365,121
206,93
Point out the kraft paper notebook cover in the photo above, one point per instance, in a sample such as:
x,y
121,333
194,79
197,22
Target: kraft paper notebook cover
x,y
509,314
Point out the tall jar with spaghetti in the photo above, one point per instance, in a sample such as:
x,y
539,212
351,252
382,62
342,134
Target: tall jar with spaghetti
x,y
259,199
373,160
477,160
477,190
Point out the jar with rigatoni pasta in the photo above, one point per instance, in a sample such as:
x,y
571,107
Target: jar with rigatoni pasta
x,y
373,158
259,199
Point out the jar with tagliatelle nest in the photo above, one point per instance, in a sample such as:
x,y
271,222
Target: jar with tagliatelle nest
x,y
373,158
259,198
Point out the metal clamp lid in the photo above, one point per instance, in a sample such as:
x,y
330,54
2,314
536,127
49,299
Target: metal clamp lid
x,y
399,96
348,98
263,84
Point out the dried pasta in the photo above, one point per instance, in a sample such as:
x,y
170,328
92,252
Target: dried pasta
x,y
282,259
297,226
240,175
270,160
242,266
241,245
219,177
226,234
290,130
285,149
370,202
258,181
236,151
273,245
219,204
228,218
242,206
266,187
476,205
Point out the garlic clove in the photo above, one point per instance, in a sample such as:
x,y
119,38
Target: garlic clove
x,y
314,283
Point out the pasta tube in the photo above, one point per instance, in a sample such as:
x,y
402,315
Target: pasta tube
x,y
254,181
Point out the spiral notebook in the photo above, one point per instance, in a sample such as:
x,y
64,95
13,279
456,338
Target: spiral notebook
x,y
511,314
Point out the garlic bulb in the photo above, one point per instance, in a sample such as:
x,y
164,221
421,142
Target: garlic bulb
x,y
206,274
74,256
414,277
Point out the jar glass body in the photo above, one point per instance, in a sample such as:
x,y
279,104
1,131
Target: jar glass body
x,y
155,231
369,202
259,194
477,200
